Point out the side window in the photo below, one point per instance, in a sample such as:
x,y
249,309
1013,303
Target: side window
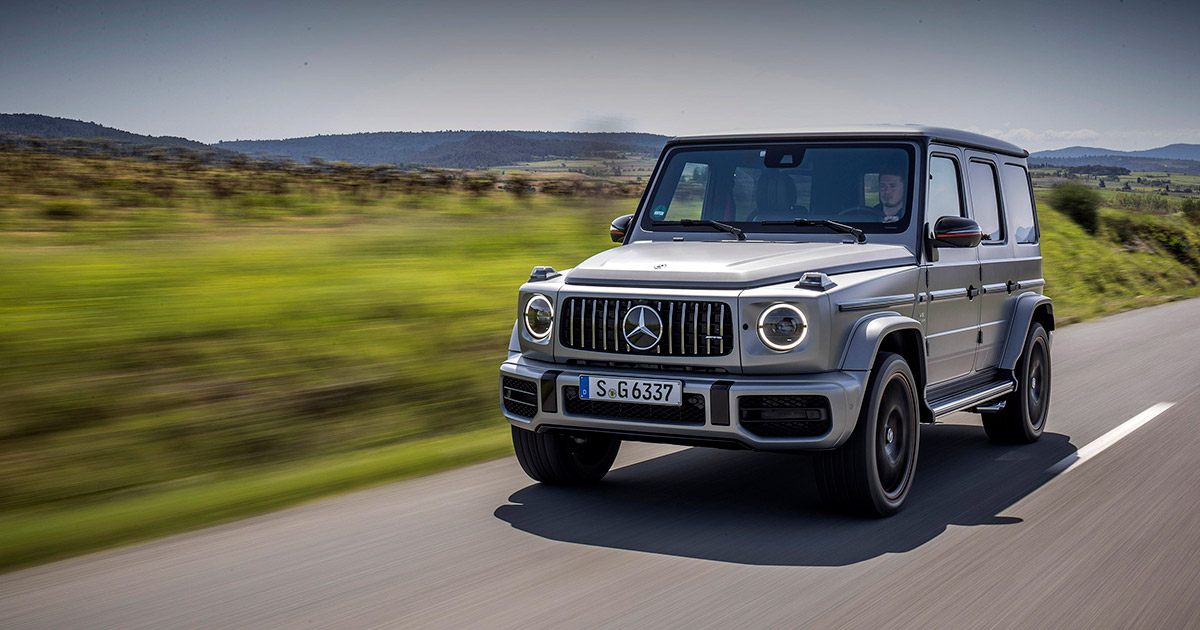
x,y
688,200
945,195
985,200
1019,203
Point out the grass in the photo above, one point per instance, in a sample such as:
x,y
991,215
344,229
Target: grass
x,y
183,346
1093,276
49,534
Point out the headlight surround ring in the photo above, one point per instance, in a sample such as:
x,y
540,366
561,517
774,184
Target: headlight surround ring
x,y
782,327
539,317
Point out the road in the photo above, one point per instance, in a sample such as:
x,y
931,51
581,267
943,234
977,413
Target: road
x,y
698,538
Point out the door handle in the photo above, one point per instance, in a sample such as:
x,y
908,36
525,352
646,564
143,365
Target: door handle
x,y
972,292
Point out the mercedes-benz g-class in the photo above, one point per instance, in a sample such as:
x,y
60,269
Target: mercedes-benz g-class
x,y
824,291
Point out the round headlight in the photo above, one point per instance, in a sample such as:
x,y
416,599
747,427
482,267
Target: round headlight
x,y
539,316
782,327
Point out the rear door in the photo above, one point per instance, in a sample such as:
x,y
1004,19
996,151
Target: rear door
x,y
996,267
951,312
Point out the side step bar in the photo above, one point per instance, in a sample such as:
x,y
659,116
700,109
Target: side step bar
x,y
971,397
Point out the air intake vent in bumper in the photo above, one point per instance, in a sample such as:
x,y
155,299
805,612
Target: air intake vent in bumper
x,y
690,412
520,396
785,416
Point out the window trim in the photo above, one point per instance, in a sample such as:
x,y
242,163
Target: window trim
x,y
642,218
1001,207
958,172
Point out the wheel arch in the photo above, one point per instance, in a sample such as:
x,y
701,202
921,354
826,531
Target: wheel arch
x,y
889,332
1031,307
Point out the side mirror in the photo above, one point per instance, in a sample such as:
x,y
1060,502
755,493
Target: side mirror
x,y
619,227
956,232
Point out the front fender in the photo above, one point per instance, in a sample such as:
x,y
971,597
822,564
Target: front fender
x,y
868,336
869,332
1027,305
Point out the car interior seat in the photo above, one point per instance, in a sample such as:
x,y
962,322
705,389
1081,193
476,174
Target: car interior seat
x,y
775,198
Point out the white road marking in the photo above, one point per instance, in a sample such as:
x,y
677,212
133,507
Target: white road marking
x,y
1068,463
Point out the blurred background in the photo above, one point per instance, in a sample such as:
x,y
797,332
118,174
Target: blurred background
x,y
194,328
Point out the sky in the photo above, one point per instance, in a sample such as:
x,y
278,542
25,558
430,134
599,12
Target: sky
x,y
1116,74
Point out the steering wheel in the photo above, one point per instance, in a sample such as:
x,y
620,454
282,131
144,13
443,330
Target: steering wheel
x,y
864,211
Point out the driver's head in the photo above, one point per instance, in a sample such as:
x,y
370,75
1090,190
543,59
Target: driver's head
x,y
891,192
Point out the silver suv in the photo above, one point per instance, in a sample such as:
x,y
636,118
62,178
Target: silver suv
x,y
822,291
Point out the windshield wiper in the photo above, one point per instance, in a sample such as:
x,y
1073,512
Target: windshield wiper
x,y
859,235
724,227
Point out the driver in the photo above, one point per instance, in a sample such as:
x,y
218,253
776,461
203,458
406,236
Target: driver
x,y
891,197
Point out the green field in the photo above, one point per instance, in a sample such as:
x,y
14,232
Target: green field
x,y
183,344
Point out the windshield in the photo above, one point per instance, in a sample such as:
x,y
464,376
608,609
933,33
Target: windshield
x,y
863,186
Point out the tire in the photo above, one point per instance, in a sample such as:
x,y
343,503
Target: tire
x,y
1023,417
872,472
563,460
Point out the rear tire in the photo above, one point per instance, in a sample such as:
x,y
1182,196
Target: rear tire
x,y
872,472
563,460
1023,417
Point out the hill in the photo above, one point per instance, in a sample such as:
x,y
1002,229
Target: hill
x,y
17,125
1133,163
1177,151
452,149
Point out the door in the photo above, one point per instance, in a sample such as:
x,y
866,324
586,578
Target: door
x,y
951,283
997,269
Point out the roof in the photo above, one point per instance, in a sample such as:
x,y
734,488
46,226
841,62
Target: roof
x,y
939,134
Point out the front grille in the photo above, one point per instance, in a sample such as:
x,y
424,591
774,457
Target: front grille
x,y
785,416
690,412
520,396
689,328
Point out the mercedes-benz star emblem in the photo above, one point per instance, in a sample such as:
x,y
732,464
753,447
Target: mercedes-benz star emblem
x,y
643,327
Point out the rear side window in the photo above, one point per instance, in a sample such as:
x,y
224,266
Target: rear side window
x,y
1015,181
945,195
985,200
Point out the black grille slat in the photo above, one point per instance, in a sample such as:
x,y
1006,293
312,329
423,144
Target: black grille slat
x,y
690,412
520,396
811,416
690,328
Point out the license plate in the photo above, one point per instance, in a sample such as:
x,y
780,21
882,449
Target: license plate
x,y
634,390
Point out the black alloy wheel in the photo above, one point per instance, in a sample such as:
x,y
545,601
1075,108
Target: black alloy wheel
x,y
895,440
1023,417
872,472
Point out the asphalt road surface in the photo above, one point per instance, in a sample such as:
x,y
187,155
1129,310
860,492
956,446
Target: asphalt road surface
x,y
699,538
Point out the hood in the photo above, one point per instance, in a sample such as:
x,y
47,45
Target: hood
x,y
729,264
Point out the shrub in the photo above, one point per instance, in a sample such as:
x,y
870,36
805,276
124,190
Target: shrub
x,y
66,210
1078,202
1191,210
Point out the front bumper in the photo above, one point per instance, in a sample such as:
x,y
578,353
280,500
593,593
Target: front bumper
x,y
721,424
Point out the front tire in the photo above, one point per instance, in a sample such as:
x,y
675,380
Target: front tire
x,y
564,460
872,472
1023,417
